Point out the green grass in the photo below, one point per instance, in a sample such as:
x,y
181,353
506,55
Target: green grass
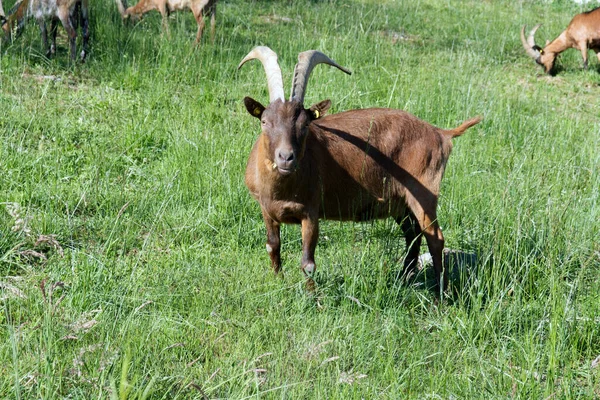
x,y
134,161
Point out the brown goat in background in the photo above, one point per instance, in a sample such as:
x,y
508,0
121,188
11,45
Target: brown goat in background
x,y
356,165
200,9
583,33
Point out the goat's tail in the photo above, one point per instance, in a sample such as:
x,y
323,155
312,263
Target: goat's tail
x,y
463,127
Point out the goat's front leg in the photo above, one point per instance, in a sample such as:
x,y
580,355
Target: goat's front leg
x,y
310,237
273,241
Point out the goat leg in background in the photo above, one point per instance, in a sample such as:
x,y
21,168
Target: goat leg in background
x,y
213,16
201,10
164,12
53,31
273,241
65,19
310,237
198,14
44,32
85,27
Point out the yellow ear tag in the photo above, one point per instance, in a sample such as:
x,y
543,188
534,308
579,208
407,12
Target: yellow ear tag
x,y
317,115
256,111
541,51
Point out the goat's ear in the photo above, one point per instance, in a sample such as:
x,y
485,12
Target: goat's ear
x,y
319,109
254,107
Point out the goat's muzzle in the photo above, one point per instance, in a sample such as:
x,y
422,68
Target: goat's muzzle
x,y
286,162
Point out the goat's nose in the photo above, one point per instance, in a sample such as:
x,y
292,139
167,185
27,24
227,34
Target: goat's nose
x,y
286,156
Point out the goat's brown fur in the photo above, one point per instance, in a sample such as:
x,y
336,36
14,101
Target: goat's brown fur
x,y
356,165
200,9
582,33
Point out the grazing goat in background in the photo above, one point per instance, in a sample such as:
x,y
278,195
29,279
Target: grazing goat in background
x,y
200,9
69,12
583,33
356,165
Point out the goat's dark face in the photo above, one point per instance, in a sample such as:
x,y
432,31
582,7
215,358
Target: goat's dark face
x,y
546,60
285,128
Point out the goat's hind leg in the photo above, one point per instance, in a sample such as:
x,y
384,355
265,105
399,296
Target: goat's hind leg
x,y
425,214
435,242
412,235
584,53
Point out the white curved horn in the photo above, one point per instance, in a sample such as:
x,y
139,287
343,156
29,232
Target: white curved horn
x,y
268,58
307,60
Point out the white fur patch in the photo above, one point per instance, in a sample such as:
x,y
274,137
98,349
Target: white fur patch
x,y
269,249
43,8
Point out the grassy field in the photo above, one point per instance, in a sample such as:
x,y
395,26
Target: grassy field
x,y
132,259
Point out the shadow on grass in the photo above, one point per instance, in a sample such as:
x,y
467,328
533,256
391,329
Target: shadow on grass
x,y
463,269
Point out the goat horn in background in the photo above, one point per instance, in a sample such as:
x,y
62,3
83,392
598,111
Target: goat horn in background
x,y
529,43
268,58
307,60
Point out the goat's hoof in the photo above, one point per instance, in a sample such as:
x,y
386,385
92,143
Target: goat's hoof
x,y
309,269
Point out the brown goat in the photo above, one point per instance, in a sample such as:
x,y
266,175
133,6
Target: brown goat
x,y
583,33
69,12
199,8
356,165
